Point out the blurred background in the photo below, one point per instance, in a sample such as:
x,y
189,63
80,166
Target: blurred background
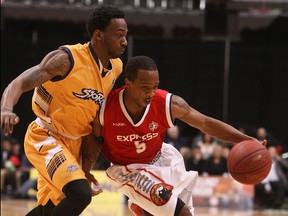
x,y
226,58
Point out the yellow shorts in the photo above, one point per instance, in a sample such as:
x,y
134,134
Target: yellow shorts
x,y
57,160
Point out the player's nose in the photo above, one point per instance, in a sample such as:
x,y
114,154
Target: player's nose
x,y
124,42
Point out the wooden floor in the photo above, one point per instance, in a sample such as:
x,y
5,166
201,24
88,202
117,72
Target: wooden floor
x,y
10,207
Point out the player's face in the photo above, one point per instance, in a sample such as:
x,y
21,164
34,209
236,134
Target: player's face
x,y
115,38
144,87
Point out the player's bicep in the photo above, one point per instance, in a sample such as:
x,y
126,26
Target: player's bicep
x,y
55,63
180,109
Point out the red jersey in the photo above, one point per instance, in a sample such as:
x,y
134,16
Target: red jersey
x,y
126,142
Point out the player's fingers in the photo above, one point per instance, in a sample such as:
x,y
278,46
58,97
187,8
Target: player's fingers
x,y
6,126
2,121
264,142
95,182
16,120
92,179
11,123
96,192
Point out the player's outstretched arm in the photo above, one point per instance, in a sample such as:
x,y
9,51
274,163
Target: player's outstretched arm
x,y
55,63
180,109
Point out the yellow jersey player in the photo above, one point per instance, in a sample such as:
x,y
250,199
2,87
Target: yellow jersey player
x,y
70,85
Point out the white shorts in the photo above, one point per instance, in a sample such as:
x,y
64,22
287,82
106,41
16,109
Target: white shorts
x,y
156,187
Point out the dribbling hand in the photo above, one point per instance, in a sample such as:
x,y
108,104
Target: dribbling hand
x,y
263,142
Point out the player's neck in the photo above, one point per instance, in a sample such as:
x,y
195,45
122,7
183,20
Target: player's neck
x,y
100,54
135,111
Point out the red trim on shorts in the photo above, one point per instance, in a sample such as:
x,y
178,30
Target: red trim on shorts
x,y
138,192
110,177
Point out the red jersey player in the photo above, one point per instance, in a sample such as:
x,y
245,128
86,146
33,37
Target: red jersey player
x,y
134,120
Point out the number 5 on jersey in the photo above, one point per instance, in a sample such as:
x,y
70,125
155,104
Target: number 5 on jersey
x,y
140,146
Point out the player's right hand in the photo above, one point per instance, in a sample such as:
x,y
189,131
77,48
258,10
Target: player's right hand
x,y
92,181
8,120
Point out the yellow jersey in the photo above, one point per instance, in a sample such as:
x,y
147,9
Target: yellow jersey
x,y
69,104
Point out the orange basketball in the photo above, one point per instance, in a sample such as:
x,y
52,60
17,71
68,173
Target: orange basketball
x,y
249,162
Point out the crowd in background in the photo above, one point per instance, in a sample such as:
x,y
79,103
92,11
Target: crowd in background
x,y
201,153
209,156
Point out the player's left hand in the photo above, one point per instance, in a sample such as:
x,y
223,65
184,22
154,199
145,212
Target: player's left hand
x,y
93,181
264,142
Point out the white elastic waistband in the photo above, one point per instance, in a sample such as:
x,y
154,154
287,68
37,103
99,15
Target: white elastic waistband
x,y
49,127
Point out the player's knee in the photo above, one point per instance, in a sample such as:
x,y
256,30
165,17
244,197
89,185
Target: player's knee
x,y
182,209
114,170
78,192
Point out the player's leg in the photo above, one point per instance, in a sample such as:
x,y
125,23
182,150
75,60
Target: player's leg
x,y
42,210
170,155
180,210
145,186
78,196
71,178
137,210
59,171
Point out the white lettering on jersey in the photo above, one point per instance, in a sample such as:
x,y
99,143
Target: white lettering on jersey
x,y
133,137
94,95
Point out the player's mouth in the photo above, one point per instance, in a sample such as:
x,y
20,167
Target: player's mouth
x,y
122,50
148,100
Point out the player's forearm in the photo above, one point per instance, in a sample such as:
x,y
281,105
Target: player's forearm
x,y
86,164
26,81
223,131
11,95
91,149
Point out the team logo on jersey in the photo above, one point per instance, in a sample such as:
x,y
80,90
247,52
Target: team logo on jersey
x,y
94,95
119,124
160,193
72,168
153,126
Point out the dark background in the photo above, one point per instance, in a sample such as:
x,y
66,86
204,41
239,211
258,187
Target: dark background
x,y
191,68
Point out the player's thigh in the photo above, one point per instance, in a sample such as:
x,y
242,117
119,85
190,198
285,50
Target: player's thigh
x,y
52,158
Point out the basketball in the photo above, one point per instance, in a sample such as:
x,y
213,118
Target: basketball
x,y
249,162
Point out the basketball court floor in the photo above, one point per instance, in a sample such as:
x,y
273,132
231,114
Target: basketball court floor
x,y
112,203
10,207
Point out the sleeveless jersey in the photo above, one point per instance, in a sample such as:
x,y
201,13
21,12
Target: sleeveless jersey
x,y
126,142
68,104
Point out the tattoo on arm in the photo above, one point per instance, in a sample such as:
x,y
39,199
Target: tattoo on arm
x,y
55,63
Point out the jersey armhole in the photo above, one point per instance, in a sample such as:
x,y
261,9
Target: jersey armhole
x,y
58,78
101,113
168,110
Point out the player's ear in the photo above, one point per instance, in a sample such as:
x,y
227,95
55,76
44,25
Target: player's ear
x,y
127,82
98,34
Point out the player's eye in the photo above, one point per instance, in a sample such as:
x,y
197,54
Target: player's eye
x,y
155,87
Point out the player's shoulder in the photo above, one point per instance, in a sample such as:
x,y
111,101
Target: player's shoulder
x,y
75,47
160,93
115,92
116,61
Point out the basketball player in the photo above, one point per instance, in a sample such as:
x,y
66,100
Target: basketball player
x,y
134,120
70,85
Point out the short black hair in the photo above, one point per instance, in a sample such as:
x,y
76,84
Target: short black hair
x,y
137,63
100,18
